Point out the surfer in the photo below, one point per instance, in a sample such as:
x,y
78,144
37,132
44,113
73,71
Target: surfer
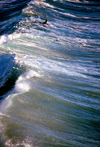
x,y
43,23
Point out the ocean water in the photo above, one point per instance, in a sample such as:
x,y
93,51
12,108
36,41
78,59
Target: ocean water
x,y
49,73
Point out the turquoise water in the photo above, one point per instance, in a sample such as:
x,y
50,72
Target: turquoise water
x,y
50,74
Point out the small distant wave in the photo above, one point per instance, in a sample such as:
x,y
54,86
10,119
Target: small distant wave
x,y
8,8
9,14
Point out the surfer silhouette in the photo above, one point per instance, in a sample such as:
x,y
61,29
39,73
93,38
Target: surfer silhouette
x,y
43,23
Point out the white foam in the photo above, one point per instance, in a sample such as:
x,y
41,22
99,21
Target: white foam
x,y
1,114
41,3
25,143
28,75
5,38
6,103
49,65
21,87
23,84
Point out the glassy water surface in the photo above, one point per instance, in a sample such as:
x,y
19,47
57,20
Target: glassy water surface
x,y
50,73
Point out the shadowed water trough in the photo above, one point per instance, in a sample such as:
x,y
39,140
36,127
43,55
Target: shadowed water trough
x,y
9,73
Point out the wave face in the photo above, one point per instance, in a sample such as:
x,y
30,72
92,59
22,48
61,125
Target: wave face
x,y
6,66
50,73
9,73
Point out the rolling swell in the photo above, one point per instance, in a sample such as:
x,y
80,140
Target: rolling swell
x,y
86,11
10,12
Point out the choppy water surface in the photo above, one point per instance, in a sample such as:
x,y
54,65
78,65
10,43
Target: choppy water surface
x,y
50,74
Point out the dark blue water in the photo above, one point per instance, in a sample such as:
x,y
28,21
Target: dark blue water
x,y
49,73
